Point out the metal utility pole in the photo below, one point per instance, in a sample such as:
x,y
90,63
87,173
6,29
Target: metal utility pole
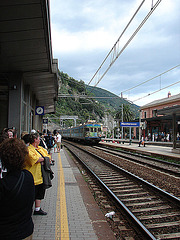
x,y
139,125
113,129
122,119
69,117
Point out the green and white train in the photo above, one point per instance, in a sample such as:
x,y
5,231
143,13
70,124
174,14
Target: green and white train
x,y
90,132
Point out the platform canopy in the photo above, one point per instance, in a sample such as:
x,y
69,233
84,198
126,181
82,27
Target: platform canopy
x,y
174,111
25,47
170,110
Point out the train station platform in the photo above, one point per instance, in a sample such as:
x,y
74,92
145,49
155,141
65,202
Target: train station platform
x,y
152,150
72,211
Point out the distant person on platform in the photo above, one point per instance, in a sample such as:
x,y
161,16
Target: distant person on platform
x,y
58,141
142,141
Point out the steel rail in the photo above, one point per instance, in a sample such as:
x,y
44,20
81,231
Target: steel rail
x,y
145,232
141,155
118,152
132,218
163,193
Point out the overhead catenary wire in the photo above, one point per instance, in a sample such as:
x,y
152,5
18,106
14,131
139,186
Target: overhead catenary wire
x,y
127,43
133,35
156,91
159,75
114,47
150,79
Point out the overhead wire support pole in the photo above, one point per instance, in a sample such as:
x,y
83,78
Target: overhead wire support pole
x,y
133,35
114,47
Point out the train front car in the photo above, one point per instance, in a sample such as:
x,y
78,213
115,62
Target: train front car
x,y
92,132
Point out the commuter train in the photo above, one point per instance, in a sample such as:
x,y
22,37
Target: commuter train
x,y
90,132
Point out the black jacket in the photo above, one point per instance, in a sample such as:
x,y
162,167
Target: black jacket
x,y
17,196
47,173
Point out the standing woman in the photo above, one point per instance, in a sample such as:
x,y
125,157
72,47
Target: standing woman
x,y
58,141
33,164
16,192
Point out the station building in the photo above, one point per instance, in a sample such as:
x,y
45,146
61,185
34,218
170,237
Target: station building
x,y
162,117
28,72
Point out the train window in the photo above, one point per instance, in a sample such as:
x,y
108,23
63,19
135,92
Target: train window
x,y
95,129
99,129
87,129
91,129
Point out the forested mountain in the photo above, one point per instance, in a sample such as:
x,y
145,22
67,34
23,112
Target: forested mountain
x,y
111,101
72,103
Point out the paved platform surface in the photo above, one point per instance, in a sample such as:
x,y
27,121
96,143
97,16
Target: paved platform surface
x,y
72,212
151,149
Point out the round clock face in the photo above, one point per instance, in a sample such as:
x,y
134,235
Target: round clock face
x,y
39,110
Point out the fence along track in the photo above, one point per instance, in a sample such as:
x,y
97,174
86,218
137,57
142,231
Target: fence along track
x,y
155,212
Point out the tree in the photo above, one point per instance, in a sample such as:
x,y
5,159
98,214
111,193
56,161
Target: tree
x,y
128,115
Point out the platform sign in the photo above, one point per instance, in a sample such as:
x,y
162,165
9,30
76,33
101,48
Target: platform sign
x,y
39,110
45,121
129,124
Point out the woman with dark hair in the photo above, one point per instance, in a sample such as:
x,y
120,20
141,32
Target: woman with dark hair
x,y
26,138
33,164
16,192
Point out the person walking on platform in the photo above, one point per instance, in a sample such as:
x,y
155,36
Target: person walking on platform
x,y
17,192
33,164
142,141
58,140
167,137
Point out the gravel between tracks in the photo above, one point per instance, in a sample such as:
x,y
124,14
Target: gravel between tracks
x,y
162,180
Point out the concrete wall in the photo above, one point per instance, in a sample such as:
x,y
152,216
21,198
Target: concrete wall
x,y
15,99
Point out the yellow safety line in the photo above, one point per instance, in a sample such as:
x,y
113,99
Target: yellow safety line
x,y
62,230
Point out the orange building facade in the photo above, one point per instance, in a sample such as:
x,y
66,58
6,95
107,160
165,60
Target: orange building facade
x,y
162,119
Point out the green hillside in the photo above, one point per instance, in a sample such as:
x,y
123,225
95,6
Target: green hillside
x,y
71,102
111,101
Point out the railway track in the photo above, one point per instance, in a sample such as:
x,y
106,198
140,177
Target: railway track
x,y
160,173
153,212
164,166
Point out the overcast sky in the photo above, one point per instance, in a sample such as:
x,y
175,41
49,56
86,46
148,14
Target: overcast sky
x,y
84,31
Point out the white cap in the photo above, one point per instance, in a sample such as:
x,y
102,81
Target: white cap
x,y
33,131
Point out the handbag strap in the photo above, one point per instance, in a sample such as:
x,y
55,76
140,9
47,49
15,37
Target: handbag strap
x,y
45,165
39,153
